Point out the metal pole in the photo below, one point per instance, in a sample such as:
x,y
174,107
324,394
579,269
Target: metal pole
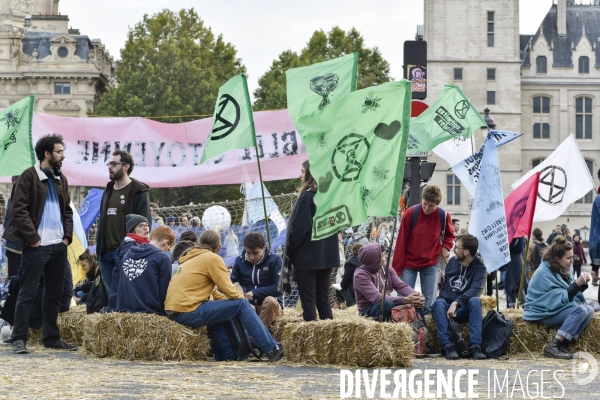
x,y
415,182
497,297
387,269
523,273
262,190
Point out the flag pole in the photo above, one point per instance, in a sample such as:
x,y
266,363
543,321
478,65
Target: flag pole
x,y
523,273
497,296
387,269
262,190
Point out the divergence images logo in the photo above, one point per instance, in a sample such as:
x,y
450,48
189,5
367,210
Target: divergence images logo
x,y
553,183
447,122
584,368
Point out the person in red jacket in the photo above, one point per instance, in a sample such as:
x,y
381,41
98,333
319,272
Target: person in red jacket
x,y
418,248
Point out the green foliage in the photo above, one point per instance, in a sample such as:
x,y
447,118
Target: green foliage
x,y
171,65
372,68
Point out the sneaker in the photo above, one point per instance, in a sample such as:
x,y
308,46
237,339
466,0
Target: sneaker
x,y
61,344
276,354
451,353
594,282
7,342
553,350
19,347
477,353
430,353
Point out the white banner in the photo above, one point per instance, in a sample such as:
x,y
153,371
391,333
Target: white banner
x,y
488,218
456,149
564,179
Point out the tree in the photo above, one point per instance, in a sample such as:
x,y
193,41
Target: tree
x,y
172,65
372,68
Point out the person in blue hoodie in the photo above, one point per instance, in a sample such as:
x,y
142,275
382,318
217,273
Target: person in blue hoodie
x,y
257,271
554,299
145,275
459,296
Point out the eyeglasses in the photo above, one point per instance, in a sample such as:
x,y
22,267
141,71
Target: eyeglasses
x,y
114,163
143,225
60,152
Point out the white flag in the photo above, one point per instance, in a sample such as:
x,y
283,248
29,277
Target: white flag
x,y
564,179
468,169
488,218
456,149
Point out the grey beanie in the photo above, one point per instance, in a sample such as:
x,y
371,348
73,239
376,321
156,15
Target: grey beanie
x,y
132,220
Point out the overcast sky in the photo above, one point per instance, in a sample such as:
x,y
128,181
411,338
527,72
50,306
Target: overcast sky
x,y
261,29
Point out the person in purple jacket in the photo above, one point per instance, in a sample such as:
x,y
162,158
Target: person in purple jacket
x,y
368,285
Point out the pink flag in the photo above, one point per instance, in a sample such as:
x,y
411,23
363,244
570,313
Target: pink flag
x,y
520,207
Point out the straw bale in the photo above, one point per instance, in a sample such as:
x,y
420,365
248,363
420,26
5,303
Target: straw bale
x,y
278,325
71,324
349,340
144,337
487,303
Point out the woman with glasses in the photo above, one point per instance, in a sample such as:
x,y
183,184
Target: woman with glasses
x,y
138,230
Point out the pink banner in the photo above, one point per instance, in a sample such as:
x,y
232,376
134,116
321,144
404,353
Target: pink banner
x,y
167,155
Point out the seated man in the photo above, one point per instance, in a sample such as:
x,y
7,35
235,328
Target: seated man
x,y
257,271
368,285
188,302
459,296
145,274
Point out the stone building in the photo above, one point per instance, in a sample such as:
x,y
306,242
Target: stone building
x,y
41,55
544,85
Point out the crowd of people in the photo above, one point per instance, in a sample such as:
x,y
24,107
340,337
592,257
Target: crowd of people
x,y
137,269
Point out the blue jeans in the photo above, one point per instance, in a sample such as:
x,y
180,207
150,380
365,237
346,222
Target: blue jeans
x,y
470,312
375,309
572,320
429,283
108,261
213,312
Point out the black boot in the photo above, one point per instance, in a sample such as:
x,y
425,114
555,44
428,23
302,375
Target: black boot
x,y
554,350
564,347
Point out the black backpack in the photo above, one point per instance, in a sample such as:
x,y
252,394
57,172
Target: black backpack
x,y
442,215
229,341
458,339
538,250
495,335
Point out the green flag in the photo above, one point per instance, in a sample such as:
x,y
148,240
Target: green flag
x,y
312,88
450,116
16,143
357,149
233,124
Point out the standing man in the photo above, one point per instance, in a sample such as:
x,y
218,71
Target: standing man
x,y
123,196
426,235
456,225
41,221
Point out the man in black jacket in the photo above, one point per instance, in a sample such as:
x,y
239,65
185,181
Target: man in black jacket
x,y
257,271
459,296
123,196
41,221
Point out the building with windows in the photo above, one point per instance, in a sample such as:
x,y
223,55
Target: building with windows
x,y
545,85
41,55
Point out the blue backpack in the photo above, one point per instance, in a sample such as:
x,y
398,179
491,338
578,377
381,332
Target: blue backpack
x,y
229,341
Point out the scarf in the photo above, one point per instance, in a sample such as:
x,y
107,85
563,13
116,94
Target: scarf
x,y
138,238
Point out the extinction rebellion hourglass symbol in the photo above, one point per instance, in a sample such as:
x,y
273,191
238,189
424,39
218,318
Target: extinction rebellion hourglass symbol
x,y
323,86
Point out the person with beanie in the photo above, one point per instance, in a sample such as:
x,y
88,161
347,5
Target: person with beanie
x,y
138,230
368,285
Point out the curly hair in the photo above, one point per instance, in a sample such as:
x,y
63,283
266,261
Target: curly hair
x,y
556,251
46,144
125,158
90,258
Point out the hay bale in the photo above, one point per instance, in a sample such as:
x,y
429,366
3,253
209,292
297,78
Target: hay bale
x,y
278,325
349,340
71,324
487,303
144,337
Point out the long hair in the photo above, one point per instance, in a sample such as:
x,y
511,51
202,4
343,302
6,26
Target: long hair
x,y
90,258
555,251
308,182
210,240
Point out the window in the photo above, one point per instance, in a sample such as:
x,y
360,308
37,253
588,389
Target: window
x,y
491,74
589,197
491,97
490,28
536,162
453,192
540,65
62,88
541,130
541,105
583,118
458,74
584,65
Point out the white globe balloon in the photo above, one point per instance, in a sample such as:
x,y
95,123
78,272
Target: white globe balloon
x,y
216,216
6,332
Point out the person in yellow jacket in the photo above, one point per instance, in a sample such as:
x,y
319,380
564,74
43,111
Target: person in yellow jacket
x,y
201,271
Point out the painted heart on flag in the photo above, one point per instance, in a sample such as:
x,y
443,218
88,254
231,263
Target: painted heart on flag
x,y
134,268
387,132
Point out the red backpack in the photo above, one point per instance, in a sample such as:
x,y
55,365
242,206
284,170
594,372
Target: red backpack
x,y
409,314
